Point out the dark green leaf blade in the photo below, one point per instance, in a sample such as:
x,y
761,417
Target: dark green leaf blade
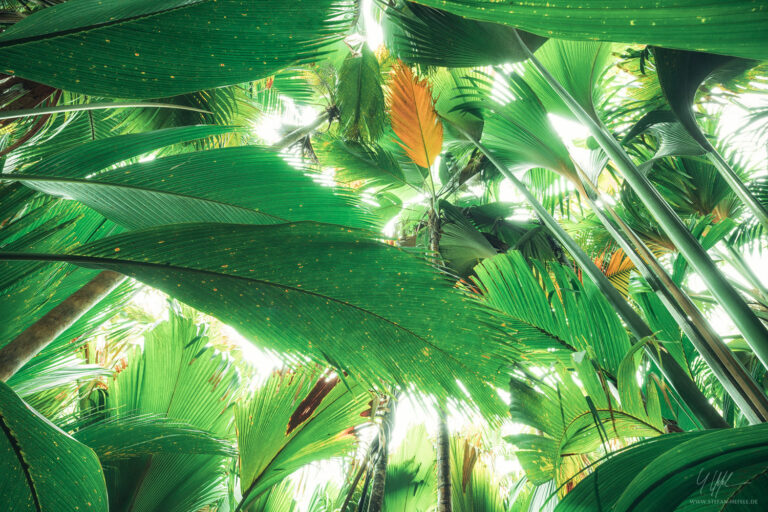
x,y
151,48
322,290
682,24
41,467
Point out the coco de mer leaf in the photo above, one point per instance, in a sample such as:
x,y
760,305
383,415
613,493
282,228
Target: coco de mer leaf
x,y
294,419
41,467
359,97
739,25
679,470
413,116
159,48
323,290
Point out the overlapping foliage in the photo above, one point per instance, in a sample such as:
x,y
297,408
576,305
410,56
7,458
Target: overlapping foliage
x,y
472,299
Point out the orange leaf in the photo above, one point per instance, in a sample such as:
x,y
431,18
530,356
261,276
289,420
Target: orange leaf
x,y
413,116
617,269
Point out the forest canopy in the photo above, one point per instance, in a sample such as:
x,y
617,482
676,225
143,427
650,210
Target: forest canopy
x,y
383,255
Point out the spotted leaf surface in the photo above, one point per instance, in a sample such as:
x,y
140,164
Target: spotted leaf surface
x,y
43,468
156,48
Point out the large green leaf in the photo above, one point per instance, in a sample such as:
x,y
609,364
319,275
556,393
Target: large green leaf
x,y
359,97
417,35
474,485
462,245
411,484
131,436
293,420
358,162
156,48
702,471
328,291
251,185
518,131
579,66
571,426
681,73
557,312
180,378
682,24
41,467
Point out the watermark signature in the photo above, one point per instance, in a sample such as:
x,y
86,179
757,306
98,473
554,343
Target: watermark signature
x,y
712,484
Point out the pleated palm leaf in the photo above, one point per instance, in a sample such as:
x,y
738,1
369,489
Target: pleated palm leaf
x,y
679,471
659,24
474,486
576,426
549,309
294,419
416,34
176,377
411,482
159,55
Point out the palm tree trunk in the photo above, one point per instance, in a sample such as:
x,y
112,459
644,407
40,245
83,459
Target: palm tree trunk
x,y
358,475
379,477
444,503
681,382
39,335
754,332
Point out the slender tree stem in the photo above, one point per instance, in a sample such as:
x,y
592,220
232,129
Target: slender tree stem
x,y
39,335
737,185
443,451
379,478
737,261
681,382
736,381
754,332
356,480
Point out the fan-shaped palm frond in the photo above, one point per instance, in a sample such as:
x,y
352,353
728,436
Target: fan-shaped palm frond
x,y
178,377
410,484
474,487
573,425
539,311
294,419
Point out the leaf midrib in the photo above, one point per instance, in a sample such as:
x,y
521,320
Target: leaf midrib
x,y
87,28
22,461
94,260
79,181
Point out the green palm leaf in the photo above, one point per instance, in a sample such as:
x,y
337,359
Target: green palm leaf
x,y
177,377
417,35
294,419
359,97
411,485
151,49
680,470
41,467
573,425
252,185
681,24
322,290
551,312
